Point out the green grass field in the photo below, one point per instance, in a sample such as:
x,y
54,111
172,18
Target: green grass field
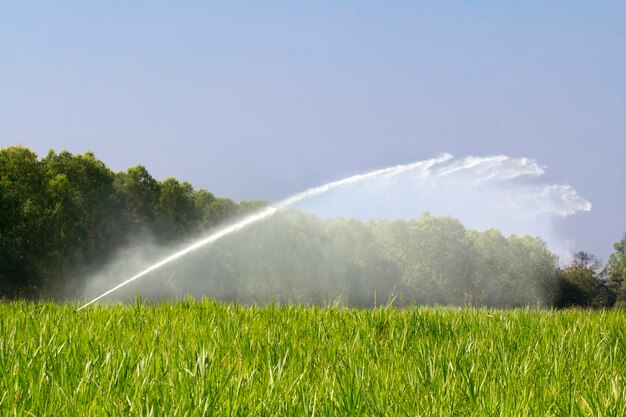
x,y
204,358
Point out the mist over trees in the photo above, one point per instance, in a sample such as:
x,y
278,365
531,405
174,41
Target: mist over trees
x,y
65,217
297,257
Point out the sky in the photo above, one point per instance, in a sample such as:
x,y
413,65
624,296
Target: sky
x,y
264,99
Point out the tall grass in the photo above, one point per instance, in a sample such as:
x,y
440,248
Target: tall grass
x,y
203,358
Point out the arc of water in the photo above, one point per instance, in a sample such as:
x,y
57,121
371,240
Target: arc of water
x,y
269,211
209,239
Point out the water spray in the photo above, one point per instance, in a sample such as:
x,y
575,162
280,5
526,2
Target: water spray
x,y
472,186
271,210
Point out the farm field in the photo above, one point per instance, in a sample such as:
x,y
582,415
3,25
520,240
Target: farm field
x,y
205,358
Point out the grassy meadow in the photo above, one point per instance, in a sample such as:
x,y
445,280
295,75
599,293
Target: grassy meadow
x,y
204,358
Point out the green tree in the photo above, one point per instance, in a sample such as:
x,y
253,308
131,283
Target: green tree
x,y
215,211
433,255
493,281
203,202
139,195
581,283
534,269
83,214
617,271
250,206
23,239
175,210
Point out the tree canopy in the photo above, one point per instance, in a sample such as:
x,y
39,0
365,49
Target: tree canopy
x,y
617,270
65,216
62,216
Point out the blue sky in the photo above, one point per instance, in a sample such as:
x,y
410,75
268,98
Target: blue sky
x,y
264,99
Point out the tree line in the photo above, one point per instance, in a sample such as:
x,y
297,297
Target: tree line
x,y
298,257
65,216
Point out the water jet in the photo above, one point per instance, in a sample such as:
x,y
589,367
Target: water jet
x,y
440,171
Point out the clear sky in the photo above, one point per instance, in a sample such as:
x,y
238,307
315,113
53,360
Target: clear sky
x,y
264,99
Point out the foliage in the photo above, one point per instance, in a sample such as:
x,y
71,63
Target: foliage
x,y
582,284
63,216
433,254
617,270
82,206
22,222
139,195
203,359
299,258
